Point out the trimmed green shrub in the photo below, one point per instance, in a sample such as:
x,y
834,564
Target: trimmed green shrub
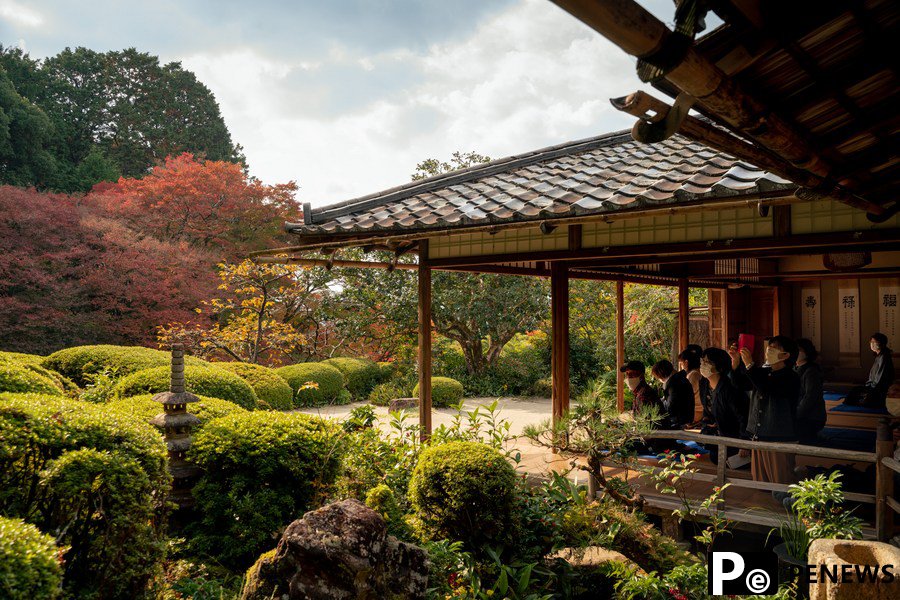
x,y
464,491
261,470
21,357
28,565
444,392
144,408
330,383
81,363
271,389
33,362
203,381
384,393
360,374
114,492
19,379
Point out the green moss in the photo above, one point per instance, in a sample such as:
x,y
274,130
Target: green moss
x,y
444,392
361,375
329,383
272,390
28,565
203,381
464,491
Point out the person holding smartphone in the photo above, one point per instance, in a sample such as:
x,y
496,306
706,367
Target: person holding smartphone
x,y
727,405
774,395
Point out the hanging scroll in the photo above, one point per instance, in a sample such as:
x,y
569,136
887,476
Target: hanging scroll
x,y
848,316
888,290
811,304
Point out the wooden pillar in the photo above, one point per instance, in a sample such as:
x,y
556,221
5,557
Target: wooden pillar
x,y
424,349
620,345
884,481
559,354
684,314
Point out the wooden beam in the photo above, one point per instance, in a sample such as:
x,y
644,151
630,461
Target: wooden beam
x,y
684,314
620,345
559,353
574,236
424,348
884,481
324,262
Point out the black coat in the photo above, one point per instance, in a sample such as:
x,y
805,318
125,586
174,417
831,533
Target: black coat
x,y
677,402
881,376
773,403
729,407
811,408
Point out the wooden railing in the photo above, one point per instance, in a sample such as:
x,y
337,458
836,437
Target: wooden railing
x,y
886,466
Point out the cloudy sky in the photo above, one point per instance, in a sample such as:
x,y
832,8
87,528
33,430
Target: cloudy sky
x,y
346,96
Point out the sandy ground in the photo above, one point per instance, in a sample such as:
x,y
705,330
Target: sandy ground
x,y
518,411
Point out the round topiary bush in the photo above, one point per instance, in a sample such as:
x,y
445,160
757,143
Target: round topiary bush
x,y
272,390
82,363
261,471
464,491
19,379
28,565
144,408
360,374
203,381
97,476
328,379
444,392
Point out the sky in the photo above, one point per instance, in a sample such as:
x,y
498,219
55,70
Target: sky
x,y
345,97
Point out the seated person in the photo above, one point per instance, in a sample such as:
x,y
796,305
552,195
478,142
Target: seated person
x,y
643,394
811,408
728,406
689,363
677,399
874,393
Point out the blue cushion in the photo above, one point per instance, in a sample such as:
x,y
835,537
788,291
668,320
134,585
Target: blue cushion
x,y
860,409
834,396
848,439
693,446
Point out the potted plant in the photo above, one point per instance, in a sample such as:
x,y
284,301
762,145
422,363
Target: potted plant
x,y
816,511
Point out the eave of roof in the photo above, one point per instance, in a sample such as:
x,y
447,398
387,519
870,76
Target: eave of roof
x,y
595,176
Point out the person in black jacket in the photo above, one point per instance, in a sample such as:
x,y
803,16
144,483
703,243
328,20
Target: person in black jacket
x,y
874,393
811,408
727,404
677,397
775,393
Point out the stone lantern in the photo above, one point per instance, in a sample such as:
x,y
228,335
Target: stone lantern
x,y
176,424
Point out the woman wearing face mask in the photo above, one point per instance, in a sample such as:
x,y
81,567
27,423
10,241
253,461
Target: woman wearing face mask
x,y
772,415
727,405
689,363
811,408
874,393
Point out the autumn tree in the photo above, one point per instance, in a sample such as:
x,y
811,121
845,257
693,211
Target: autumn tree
x,y
247,323
71,275
208,204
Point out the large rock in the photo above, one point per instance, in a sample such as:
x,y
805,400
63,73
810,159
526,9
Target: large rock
x,y
403,404
849,560
340,551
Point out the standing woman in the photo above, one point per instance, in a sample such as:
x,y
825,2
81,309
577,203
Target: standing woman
x,y
775,392
811,408
689,362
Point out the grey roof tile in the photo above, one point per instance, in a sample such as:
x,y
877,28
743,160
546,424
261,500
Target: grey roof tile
x,y
593,176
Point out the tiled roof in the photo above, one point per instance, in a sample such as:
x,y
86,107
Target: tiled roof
x,y
594,176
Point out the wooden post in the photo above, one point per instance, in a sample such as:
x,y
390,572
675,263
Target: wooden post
x,y
424,350
620,345
884,481
559,354
684,314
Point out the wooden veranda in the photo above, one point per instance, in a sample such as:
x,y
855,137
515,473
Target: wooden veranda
x,y
780,199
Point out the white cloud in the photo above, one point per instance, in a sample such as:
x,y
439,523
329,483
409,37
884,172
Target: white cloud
x,y
20,14
527,77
